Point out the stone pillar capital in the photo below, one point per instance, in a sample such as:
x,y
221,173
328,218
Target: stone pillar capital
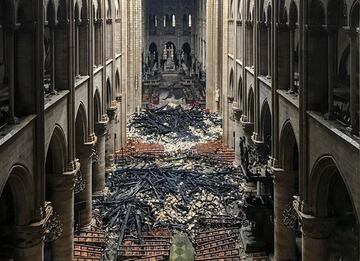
x,y
86,148
331,29
101,128
256,139
85,23
262,25
237,113
282,27
316,227
230,99
119,98
98,21
351,33
246,125
62,24
92,137
29,235
111,111
64,182
282,177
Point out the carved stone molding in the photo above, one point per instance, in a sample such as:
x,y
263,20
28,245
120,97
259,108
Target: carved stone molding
x,y
316,227
86,149
237,113
119,98
111,111
101,128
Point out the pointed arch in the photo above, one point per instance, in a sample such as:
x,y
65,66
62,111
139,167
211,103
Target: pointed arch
x,y
153,47
239,97
293,14
117,8
268,14
317,13
239,10
266,122
231,83
7,12
108,9
50,12
20,186
61,11
81,125
16,209
324,169
248,11
262,14
97,107
98,10
118,83
354,15
331,197
84,10
283,16
21,15
56,153
289,149
231,11
337,13
251,106
108,92
77,12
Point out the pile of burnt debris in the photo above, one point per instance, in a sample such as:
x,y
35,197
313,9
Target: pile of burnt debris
x,y
175,176
176,193
175,126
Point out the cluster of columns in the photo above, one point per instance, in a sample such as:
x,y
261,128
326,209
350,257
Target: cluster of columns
x,y
62,187
354,81
84,197
111,142
99,166
316,231
18,47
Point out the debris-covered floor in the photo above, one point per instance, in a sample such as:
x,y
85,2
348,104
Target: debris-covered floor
x,y
175,194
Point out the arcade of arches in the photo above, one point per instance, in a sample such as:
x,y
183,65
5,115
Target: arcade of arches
x,y
283,75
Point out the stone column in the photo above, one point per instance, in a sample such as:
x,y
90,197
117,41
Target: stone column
x,y
110,141
316,234
291,56
122,121
237,115
62,188
52,58
354,88
283,58
9,44
331,72
230,140
247,129
285,244
85,196
29,242
269,50
99,165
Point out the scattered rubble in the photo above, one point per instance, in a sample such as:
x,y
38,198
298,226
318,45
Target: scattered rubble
x,y
176,176
175,127
174,193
